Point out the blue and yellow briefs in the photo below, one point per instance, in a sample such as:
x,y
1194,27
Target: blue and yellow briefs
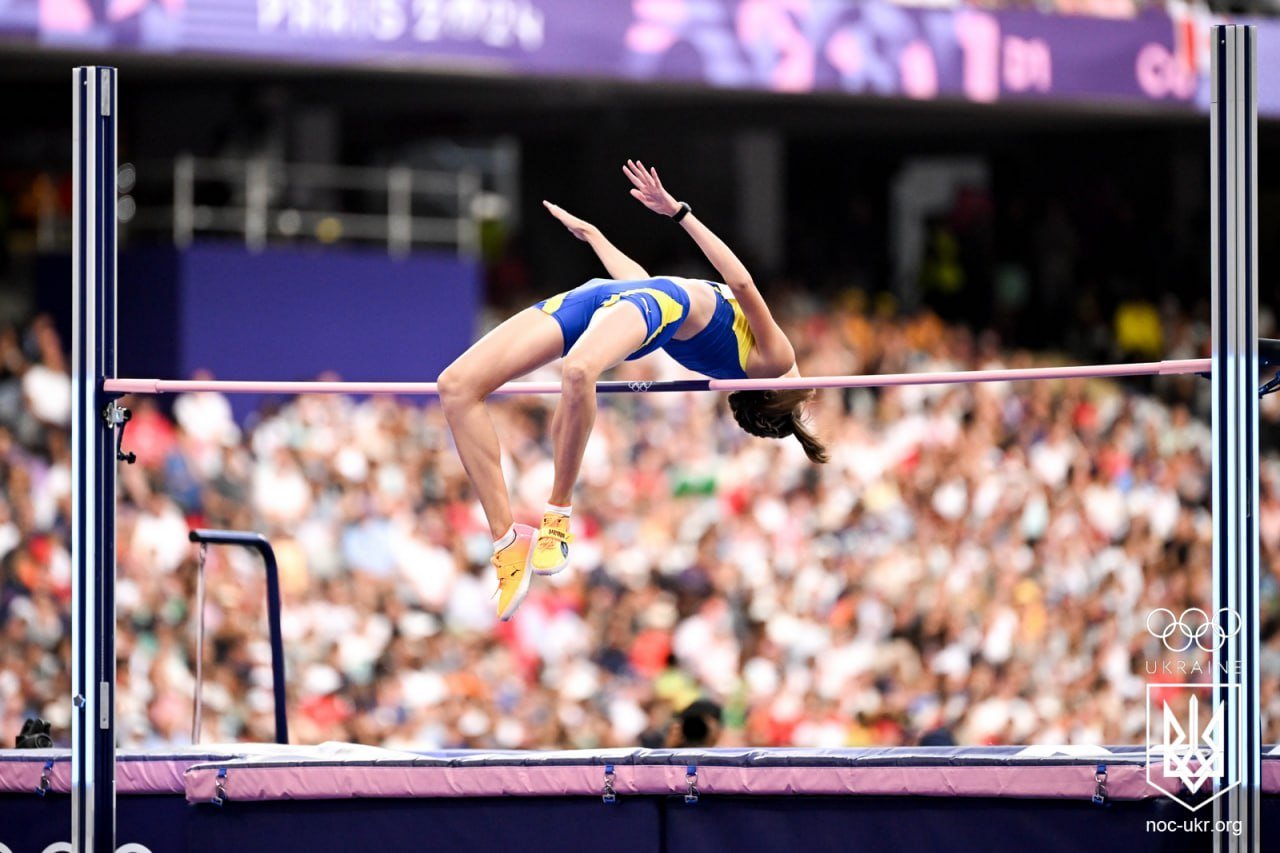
x,y
719,351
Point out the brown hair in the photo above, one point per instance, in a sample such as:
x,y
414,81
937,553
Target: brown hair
x,y
777,414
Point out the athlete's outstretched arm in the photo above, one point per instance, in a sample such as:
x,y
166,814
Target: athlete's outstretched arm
x,y
650,192
618,265
775,350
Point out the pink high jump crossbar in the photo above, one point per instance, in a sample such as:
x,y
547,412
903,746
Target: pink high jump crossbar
x,y
884,380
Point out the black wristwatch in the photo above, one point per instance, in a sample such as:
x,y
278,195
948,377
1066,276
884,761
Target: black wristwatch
x,y
682,212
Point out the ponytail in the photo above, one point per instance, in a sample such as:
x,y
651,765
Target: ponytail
x,y
777,414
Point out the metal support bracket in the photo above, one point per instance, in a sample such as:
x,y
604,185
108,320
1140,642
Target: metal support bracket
x,y
608,796
691,785
117,416
220,788
1100,785
45,782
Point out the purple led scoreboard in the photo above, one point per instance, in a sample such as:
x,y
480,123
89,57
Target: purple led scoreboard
x,y
871,48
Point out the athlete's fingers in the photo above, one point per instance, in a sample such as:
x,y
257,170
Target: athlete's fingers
x,y
632,174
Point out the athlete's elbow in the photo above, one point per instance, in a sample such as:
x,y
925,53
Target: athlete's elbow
x,y
778,353
740,283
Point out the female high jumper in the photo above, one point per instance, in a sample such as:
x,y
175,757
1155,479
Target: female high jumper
x,y
724,331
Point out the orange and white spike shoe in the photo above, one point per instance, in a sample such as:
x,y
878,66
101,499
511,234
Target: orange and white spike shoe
x,y
512,567
551,548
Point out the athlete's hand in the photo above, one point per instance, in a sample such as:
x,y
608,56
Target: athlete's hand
x,y
648,188
580,228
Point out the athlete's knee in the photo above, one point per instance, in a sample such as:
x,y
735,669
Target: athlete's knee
x,y
578,377
455,387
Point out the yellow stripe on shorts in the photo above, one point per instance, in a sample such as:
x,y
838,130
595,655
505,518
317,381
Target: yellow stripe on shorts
x,y
672,311
553,304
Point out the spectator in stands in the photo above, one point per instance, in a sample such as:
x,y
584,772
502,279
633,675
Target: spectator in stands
x,y
697,725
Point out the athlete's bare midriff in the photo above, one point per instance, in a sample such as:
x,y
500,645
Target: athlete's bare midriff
x,y
702,306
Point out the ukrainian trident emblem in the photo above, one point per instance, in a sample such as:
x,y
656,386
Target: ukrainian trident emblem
x,y
1185,743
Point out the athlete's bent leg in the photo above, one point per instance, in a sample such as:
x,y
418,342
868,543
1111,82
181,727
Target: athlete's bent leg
x,y
525,341
522,343
614,333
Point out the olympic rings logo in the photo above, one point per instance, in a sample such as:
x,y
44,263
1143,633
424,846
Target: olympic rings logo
x,y
639,385
1193,627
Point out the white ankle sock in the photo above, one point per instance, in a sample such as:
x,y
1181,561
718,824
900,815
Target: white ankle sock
x,y
506,539
566,511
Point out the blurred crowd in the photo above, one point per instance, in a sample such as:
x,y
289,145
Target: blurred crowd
x,y
975,564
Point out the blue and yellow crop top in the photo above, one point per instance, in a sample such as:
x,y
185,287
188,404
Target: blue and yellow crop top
x,y
720,350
